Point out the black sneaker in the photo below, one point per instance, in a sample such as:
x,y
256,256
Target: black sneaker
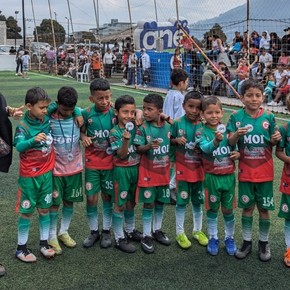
x,y
135,236
244,251
264,251
147,245
161,238
125,246
106,241
93,237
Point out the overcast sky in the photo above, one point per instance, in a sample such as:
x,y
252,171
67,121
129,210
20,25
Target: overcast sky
x,y
83,15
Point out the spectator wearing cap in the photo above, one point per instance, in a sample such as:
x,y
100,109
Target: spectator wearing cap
x,y
285,41
145,67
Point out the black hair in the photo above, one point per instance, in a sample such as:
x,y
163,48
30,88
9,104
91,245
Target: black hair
x,y
67,96
36,94
178,75
124,100
247,84
211,100
155,99
99,85
195,95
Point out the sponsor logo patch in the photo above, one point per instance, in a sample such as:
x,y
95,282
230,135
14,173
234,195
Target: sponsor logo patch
x,y
25,203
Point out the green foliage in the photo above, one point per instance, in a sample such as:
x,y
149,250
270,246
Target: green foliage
x,y
216,29
12,28
45,32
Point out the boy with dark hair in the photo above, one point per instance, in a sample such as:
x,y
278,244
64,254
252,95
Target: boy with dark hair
x,y
219,167
125,173
153,143
67,173
253,130
34,142
173,108
189,171
98,121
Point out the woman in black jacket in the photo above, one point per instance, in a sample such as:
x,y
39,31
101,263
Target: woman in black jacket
x,y
6,135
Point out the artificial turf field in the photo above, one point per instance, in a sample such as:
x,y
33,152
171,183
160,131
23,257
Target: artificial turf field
x,y
95,268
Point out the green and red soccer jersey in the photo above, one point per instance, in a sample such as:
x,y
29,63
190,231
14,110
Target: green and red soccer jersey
x,y
36,158
285,143
154,169
188,161
116,140
256,163
99,155
216,160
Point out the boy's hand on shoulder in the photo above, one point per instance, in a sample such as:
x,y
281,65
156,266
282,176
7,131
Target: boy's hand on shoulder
x,y
166,118
234,155
18,113
41,137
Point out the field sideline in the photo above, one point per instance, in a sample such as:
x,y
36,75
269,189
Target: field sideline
x,y
95,268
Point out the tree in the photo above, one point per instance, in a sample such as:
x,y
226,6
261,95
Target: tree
x,y
87,36
45,32
216,29
13,29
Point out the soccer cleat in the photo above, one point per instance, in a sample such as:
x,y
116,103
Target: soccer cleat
x,y
125,246
161,238
135,236
272,103
200,237
106,241
2,270
264,251
183,241
93,237
47,251
245,250
55,245
67,240
287,258
280,103
25,255
231,247
213,246
147,245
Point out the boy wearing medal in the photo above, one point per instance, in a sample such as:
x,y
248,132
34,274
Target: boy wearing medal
x,y
125,173
34,143
98,122
219,167
153,143
254,131
67,173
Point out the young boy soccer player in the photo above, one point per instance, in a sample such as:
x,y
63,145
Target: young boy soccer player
x,y
126,161
219,167
98,121
189,171
253,130
67,173
173,107
285,181
34,142
153,142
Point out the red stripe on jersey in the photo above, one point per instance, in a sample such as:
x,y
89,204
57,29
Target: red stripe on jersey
x,y
206,193
116,191
137,195
98,160
19,194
